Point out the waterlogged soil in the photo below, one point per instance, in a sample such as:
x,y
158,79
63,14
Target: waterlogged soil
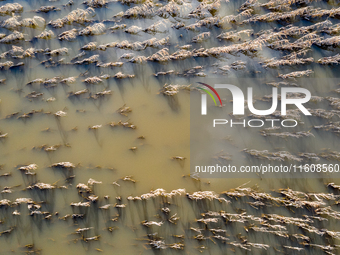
x,y
95,141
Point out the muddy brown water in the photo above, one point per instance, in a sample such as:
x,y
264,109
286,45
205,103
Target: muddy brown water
x,y
104,154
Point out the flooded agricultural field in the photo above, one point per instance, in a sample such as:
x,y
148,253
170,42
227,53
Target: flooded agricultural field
x,y
95,126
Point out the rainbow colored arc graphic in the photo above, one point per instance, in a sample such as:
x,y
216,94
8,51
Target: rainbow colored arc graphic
x,y
208,92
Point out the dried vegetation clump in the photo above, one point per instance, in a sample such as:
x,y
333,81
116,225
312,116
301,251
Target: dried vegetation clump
x,y
137,46
96,29
66,165
171,90
296,74
96,3
13,38
288,134
46,9
47,35
89,60
79,16
145,10
272,156
9,8
69,35
34,22
333,60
